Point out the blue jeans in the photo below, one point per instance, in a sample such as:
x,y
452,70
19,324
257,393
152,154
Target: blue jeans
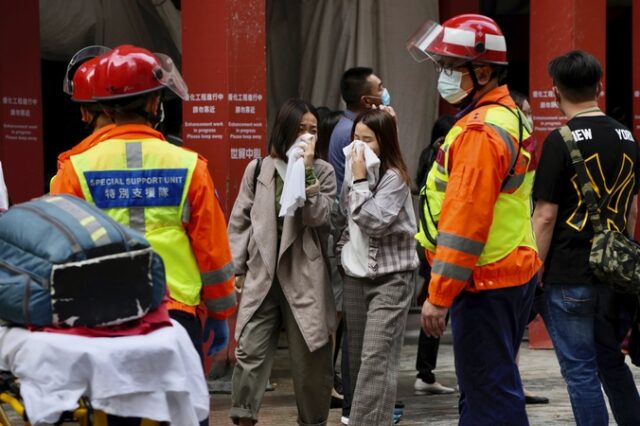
x,y
487,330
613,321
582,320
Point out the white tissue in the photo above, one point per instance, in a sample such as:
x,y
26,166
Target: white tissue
x,y
370,158
293,191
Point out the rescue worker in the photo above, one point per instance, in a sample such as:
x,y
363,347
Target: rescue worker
x,y
161,190
78,83
476,224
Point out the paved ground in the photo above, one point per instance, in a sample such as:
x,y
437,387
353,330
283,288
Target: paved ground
x,y
539,368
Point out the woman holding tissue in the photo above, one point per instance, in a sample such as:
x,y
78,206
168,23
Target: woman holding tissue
x,y
273,233
377,253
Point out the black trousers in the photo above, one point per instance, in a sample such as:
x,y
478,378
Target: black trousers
x,y
427,346
427,357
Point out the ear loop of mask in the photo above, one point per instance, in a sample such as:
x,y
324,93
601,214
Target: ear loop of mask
x,y
159,115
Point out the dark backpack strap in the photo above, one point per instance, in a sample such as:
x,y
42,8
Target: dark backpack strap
x,y
518,115
433,151
256,173
583,178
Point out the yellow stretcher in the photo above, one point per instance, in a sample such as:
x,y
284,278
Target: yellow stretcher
x,y
84,415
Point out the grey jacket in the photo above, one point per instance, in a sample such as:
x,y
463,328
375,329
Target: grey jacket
x,y
299,264
386,216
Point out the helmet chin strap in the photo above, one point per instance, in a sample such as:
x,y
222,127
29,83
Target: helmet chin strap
x,y
469,98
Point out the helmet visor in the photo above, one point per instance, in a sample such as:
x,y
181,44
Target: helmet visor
x,y
169,76
419,42
80,57
442,45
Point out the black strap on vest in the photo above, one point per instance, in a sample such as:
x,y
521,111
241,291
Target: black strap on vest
x,y
514,162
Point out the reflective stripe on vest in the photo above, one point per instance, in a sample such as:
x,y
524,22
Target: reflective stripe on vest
x,y
459,243
512,182
511,225
144,184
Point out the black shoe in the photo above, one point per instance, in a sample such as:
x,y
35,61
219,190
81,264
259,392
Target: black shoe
x,y
534,399
399,404
335,402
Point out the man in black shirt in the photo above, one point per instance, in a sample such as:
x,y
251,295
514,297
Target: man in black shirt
x,y
586,321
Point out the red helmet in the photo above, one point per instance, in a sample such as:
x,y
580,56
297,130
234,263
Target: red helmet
x,y
83,81
131,71
78,80
469,37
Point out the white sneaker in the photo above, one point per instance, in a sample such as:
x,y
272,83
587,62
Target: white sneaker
x,y
344,420
421,387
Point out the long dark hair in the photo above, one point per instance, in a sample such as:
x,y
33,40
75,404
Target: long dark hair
x,y
384,127
328,121
439,131
287,125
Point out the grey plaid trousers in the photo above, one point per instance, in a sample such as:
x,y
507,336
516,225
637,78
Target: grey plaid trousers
x,y
376,311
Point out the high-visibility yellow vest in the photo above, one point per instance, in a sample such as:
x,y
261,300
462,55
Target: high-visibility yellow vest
x,y
144,184
511,226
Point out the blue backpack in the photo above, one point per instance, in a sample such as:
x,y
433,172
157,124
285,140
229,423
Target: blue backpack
x,y
64,262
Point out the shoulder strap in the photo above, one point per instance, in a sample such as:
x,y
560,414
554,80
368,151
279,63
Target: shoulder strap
x,y
583,178
504,133
256,173
516,113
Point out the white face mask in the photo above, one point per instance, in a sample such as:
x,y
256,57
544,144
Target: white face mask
x,y
449,87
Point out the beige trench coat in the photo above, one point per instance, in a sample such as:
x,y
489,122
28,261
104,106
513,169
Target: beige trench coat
x,y
299,266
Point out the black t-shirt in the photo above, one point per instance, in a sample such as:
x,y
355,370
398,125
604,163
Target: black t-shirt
x,y
612,159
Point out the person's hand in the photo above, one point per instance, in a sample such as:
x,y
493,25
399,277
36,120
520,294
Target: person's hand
x,y
309,148
220,330
389,109
239,283
433,319
309,153
358,165
540,274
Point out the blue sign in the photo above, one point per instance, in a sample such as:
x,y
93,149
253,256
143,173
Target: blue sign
x,y
136,188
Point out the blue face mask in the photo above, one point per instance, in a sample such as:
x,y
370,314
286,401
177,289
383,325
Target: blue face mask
x,y
385,98
449,87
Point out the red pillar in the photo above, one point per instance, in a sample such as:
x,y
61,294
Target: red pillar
x,y
21,100
224,65
558,27
451,8
635,46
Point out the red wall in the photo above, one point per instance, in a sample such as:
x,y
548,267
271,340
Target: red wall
x,y
21,100
635,46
